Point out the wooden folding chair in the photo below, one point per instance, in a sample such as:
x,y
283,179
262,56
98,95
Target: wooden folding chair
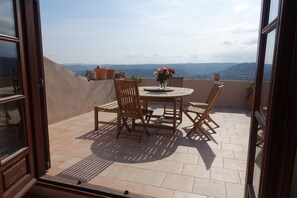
x,y
129,107
261,118
202,112
167,112
205,104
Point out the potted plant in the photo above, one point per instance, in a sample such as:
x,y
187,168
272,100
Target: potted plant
x,y
101,73
138,80
249,90
110,73
90,75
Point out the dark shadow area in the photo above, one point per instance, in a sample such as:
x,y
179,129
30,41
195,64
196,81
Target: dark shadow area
x,y
160,144
86,169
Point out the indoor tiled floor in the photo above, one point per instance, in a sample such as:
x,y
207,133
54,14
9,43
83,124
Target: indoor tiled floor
x,y
163,165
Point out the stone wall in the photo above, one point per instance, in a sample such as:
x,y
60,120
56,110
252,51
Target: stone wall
x,y
69,94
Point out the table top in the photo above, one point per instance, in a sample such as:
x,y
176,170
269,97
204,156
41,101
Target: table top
x,y
175,92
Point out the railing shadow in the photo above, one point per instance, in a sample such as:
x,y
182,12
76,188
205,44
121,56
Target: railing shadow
x,y
86,169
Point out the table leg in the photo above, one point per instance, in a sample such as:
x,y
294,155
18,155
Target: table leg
x,y
174,115
181,110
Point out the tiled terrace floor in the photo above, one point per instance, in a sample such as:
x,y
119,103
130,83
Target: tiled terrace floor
x,y
163,165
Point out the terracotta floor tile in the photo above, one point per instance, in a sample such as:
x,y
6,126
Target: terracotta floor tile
x,y
227,175
180,194
123,172
233,147
157,192
102,181
196,171
209,188
242,176
182,149
124,185
234,190
149,177
178,182
240,155
235,164
170,166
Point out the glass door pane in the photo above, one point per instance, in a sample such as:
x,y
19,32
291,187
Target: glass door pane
x,y
273,10
9,70
12,132
7,24
262,112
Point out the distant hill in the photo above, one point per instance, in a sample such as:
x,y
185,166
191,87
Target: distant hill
x,y
228,71
146,70
242,71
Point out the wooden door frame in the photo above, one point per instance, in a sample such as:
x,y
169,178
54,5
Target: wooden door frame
x,y
281,137
36,86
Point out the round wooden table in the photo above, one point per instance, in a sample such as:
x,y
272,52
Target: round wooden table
x,y
171,94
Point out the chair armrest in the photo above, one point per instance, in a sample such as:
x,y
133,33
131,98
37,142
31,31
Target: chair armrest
x,y
199,104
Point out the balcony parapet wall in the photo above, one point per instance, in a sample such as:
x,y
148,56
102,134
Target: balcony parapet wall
x,y
69,94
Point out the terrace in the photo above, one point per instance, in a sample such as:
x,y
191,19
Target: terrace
x,y
163,165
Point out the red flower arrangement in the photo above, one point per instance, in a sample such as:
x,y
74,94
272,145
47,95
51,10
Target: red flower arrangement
x,y
163,74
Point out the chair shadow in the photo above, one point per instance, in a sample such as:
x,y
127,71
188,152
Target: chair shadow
x,y
202,145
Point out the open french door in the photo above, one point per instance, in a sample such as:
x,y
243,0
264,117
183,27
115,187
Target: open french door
x,y
273,137
20,163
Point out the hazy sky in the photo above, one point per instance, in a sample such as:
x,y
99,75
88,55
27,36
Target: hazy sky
x,y
150,31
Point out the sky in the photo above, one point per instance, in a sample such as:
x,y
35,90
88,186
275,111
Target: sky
x,y
150,31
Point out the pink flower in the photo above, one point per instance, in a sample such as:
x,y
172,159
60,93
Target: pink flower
x,y
164,73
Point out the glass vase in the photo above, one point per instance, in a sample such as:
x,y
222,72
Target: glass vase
x,y
162,85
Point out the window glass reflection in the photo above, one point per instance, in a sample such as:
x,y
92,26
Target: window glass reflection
x,y
12,135
263,109
9,70
273,10
7,25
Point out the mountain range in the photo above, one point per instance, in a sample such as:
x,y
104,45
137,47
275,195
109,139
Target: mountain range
x,y
228,71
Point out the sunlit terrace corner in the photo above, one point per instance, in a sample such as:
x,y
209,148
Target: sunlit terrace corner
x,y
163,164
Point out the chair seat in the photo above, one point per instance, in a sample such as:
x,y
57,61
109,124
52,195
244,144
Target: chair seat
x,y
199,104
132,114
195,110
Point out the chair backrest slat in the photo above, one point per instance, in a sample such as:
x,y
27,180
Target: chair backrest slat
x,y
214,96
212,92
